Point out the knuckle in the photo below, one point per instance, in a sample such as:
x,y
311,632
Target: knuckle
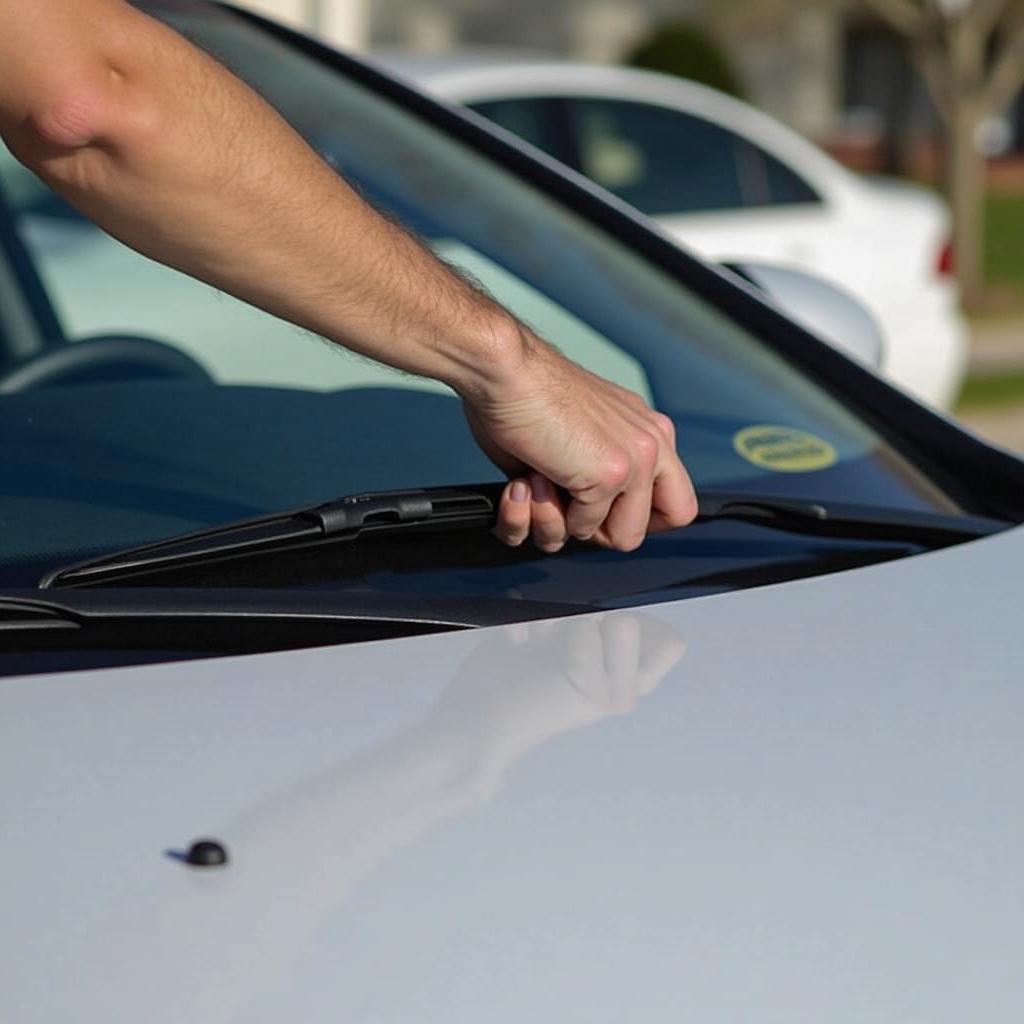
x,y
646,447
666,426
616,470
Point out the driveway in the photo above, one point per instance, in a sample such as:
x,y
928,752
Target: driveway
x,y
997,347
1002,425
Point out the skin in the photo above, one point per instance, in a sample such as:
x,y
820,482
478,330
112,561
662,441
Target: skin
x,y
173,155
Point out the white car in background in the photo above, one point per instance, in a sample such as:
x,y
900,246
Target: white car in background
x,y
736,185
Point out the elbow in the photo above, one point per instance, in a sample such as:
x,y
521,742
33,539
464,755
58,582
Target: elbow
x,y
85,116
85,144
72,119
69,112
57,139
59,132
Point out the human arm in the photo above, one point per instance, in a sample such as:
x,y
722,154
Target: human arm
x,y
176,157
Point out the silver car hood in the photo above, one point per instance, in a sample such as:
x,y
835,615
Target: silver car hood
x,y
799,803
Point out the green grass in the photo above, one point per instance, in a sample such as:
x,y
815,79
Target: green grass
x,y
1004,246
992,390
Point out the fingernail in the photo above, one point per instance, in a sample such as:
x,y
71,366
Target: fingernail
x,y
542,490
520,492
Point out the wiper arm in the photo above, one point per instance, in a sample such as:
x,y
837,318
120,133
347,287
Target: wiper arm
x,y
344,519
855,522
18,614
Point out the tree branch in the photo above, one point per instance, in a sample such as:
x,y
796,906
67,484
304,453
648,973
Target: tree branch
x,y
935,12
986,14
932,65
1007,74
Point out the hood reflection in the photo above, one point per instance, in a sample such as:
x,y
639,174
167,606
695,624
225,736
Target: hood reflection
x,y
297,857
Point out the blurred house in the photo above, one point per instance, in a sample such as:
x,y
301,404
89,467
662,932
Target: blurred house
x,y
831,71
342,22
793,74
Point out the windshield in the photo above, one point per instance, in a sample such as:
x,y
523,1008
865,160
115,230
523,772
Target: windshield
x,y
261,416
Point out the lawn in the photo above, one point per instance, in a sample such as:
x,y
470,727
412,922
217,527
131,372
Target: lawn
x,y
1004,248
1004,278
993,389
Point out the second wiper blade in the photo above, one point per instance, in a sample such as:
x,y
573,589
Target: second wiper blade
x,y
860,522
343,519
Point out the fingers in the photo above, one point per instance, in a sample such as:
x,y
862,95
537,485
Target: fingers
x,y
626,526
532,507
628,489
673,499
659,495
621,521
590,506
628,518
513,526
550,531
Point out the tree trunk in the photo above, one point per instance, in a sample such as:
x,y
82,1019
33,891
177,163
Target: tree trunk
x,y
965,175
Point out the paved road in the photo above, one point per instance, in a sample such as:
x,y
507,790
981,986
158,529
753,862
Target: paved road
x,y
1003,425
997,346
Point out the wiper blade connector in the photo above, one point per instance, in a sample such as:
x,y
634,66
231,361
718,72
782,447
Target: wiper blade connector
x,y
340,520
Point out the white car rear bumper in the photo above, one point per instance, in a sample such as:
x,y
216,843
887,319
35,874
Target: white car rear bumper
x,y
927,348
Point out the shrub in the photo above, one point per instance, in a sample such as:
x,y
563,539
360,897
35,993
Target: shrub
x,y
689,51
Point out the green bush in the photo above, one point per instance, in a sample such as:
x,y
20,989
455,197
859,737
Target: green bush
x,y
689,51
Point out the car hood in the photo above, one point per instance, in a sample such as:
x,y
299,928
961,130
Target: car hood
x,y
789,804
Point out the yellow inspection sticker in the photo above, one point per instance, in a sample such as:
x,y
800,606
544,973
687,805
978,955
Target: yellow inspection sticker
x,y
784,449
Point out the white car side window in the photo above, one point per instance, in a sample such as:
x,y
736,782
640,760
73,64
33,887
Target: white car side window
x,y
660,160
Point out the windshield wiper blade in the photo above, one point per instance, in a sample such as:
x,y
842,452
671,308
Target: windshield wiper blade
x,y
344,519
475,507
853,522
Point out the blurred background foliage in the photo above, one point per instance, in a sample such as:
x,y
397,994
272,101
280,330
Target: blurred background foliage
x,y
689,50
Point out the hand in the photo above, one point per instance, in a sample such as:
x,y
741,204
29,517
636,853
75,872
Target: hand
x,y
555,423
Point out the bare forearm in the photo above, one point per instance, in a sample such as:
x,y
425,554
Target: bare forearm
x,y
170,153
176,157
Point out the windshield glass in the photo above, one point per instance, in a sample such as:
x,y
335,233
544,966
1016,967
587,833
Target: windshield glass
x,y
264,417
